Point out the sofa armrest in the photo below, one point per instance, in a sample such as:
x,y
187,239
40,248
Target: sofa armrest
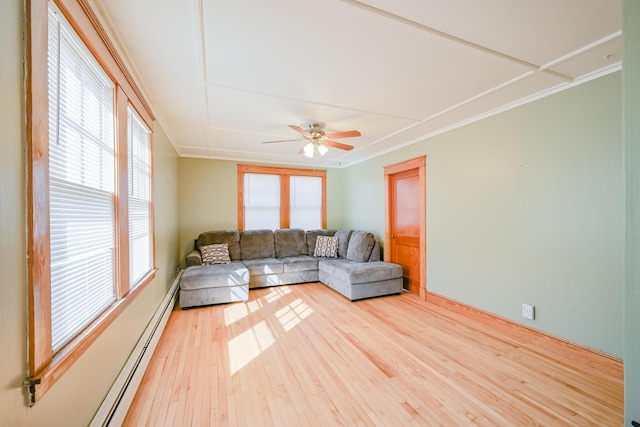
x,y
194,258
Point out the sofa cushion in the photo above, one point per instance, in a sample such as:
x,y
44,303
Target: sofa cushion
x,y
290,242
299,263
353,272
326,246
255,244
214,276
343,242
312,236
231,238
260,266
360,246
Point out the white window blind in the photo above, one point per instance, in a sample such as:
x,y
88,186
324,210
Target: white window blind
x,y
139,173
81,183
306,202
261,201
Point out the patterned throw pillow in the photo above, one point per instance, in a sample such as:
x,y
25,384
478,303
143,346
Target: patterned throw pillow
x,y
215,254
326,246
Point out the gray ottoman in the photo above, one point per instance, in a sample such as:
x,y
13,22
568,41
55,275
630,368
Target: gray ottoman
x,y
214,284
358,280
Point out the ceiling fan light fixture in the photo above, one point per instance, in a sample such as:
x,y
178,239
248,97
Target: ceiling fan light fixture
x,y
308,149
314,149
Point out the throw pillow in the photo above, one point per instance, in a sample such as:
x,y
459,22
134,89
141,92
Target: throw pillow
x,y
215,254
326,246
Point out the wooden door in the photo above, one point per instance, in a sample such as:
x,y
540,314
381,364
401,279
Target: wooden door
x,y
404,242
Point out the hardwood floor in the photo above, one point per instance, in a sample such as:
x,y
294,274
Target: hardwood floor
x,y
304,355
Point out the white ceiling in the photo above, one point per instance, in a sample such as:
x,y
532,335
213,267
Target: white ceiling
x,y
224,76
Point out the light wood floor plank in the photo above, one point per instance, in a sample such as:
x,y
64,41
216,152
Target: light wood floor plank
x,y
305,355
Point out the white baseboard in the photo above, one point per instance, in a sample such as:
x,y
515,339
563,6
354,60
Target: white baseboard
x,y
115,406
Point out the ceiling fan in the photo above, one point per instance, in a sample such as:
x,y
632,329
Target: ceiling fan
x,y
318,140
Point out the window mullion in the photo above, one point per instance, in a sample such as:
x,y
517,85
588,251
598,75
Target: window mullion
x,y
122,195
240,191
285,217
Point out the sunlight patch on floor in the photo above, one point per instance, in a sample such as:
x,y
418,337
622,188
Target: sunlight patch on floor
x,y
235,312
254,305
293,314
277,293
248,345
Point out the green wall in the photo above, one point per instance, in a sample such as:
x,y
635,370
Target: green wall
x,y
74,399
631,105
523,207
13,295
209,200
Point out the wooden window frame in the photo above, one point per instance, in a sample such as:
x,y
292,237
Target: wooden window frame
x,y
45,367
285,196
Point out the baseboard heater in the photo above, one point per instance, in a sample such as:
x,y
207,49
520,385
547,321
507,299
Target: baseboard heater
x,y
115,406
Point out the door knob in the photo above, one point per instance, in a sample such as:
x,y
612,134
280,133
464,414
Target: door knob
x,y
393,236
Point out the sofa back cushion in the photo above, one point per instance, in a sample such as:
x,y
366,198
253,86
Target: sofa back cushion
x,y
312,236
290,242
375,253
361,245
256,244
343,242
231,238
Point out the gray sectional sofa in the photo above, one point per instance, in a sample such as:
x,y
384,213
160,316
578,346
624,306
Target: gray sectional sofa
x,y
260,258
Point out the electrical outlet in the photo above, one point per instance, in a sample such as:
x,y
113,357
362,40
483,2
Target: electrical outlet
x,y
528,311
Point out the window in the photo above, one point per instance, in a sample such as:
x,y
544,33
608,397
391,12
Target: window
x,y
305,202
261,201
81,184
274,198
139,185
89,187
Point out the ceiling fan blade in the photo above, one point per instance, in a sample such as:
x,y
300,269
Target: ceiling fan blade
x,y
300,131
346,134
284,140
336,144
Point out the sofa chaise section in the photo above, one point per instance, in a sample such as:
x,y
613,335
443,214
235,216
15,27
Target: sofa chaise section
x,y
359,273
357,280
214,284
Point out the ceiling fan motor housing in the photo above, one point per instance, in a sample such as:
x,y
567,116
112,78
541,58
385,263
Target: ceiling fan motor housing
x,y
315,130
